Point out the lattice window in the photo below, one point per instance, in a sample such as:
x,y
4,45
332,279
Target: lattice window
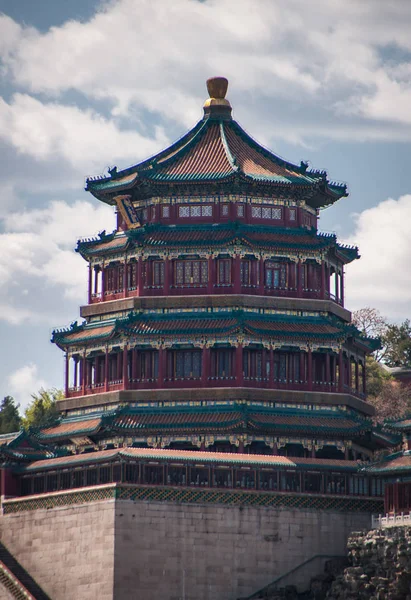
x,y
183,211
224,210
166,212
153,212
158,273
207,211
275,275
179,272
256,212
245,272
195,211
276,213
145,214
224,271
132,275
292,214
187,364
266,212
109,279
204,271
189,272
240,210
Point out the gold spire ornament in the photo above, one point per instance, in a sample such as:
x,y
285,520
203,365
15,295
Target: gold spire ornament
x,y
217,89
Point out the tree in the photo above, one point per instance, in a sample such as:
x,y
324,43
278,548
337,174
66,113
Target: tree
x,y
392,402
377,376
10,419
397,339
43,408
372,324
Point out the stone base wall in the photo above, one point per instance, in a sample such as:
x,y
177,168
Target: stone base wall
x,y
123,549
68,551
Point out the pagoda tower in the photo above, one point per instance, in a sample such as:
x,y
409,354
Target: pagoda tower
x,y
217,306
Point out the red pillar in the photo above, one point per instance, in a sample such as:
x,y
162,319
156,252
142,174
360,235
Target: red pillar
x,y
327,371
262,282
166,276
237,274
66,382
205,366
310,369
90,282
103,282
299,279
336,283
340,371
134,364
323,279
302,366
106,359
210,283
239,365
83,373
271,367
118,370
357,389
161,356
125,368
125,279
364,378
140,283
342,286
349,373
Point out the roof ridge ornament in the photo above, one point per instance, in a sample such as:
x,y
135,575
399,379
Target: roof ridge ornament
x,y
217,106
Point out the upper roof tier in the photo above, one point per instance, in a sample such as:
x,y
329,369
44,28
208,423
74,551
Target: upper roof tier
x,y
217,152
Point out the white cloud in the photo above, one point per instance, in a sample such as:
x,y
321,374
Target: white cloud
x,y
37,263
307,58
24,382
81,138
382,277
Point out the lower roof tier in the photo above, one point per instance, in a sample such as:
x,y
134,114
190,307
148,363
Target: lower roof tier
x,y
221,326
230,237
207,421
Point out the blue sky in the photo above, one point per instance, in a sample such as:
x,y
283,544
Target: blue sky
x,y
86,84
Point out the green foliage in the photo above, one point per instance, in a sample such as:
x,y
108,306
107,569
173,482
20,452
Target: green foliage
x,y
10,419
397,340
43,408
376,377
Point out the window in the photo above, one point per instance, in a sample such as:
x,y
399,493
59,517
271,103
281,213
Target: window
x,y
253,364
275,275
292,213
191,272
221,363
147,364
132,275
245,272
266,212
195,211
114,278
158,273
187,364
166,212
240,210
224,210
224,271
153,213
280,367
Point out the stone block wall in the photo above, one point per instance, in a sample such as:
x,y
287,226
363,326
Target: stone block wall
x,y
125,549
211,552
69,551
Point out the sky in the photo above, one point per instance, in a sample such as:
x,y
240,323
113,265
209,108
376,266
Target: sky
x,y
86,84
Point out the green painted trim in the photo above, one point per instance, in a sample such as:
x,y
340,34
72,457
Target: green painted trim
x,y
195,496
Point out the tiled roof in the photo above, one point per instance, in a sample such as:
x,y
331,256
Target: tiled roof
x,y
217,150
209,419
193,456
185,237
70,427
219,324
397,462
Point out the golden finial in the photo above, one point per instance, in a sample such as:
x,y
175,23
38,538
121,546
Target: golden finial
x,y
217,103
